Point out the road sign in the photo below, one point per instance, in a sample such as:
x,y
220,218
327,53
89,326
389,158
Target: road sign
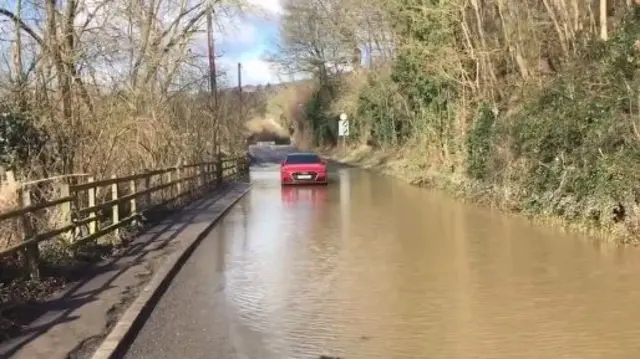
x,y
343,126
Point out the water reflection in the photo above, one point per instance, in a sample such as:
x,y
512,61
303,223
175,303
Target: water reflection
x,y
306,194
368,267
344,176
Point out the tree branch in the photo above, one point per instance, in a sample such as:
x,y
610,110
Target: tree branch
x,y
23,25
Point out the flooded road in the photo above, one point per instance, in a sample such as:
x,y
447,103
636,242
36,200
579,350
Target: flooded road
x,y
369,267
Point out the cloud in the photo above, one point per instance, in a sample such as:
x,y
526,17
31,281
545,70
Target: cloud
x,y
237,29
258,71
255,70
247,39
271,6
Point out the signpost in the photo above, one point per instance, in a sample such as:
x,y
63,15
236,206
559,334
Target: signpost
x,y
343,130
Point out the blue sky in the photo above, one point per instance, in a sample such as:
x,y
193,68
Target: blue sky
x,y
248,39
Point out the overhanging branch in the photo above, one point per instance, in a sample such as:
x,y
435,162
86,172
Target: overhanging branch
x,y
26,28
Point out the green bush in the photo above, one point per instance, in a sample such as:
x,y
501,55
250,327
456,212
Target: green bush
x,y
378,112
480,143
577,136
20,140
318,115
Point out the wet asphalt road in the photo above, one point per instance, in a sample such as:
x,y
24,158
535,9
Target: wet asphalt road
x,y
369,267
192,318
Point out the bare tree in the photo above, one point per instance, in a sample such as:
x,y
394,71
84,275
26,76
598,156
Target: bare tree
x,y
317,38
114,84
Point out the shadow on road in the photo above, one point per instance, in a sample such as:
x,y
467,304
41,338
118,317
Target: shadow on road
x,y
100,277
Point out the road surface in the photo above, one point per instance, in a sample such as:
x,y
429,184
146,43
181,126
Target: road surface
x,y
368,267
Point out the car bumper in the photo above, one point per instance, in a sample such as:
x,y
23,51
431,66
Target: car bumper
x,y
288,180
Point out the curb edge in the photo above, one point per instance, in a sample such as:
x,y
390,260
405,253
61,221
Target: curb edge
x,y
128,324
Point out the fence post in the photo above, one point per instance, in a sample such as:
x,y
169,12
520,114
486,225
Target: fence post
x,y
205,176
115,209
147,186
236,168
246,167
67,216
91,193
10,177
193,182
179,179
133,205
161,193
198,177
212,173
167,191
31,252
219,170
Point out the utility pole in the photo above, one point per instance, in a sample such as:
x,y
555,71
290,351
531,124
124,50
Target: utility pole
x,y
212,60
213,86
240,79
240,99
240,87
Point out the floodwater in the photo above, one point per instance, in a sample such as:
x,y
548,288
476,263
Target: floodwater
x,y
369,267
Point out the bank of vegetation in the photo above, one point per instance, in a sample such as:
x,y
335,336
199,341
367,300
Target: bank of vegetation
x,y
530,105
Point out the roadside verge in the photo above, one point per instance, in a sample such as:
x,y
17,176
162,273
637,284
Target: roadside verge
x,y
131,321
397,164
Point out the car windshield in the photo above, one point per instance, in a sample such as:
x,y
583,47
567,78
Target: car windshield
x,y
301,159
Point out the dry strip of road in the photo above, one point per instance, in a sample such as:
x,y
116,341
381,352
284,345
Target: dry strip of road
x,y
75,322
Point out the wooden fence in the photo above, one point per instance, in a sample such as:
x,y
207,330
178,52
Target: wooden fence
x,y
90,209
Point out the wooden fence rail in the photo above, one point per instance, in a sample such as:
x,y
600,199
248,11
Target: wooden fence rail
x,y
90,210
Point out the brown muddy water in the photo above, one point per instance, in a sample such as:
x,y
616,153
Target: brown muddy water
x,y
369,267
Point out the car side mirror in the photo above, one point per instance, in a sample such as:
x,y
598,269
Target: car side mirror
x,y
281,163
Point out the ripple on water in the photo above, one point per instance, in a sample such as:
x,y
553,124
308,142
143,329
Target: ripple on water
x,y
391,271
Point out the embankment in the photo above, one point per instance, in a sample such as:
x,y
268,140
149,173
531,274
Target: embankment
x,y
551,135
400,164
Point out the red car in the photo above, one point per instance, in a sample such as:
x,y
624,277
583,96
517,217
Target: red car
x,y
303,168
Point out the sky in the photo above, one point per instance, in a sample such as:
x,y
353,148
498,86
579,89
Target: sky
x,y
248,39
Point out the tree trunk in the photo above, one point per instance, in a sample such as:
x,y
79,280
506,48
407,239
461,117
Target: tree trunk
x,y
603,20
